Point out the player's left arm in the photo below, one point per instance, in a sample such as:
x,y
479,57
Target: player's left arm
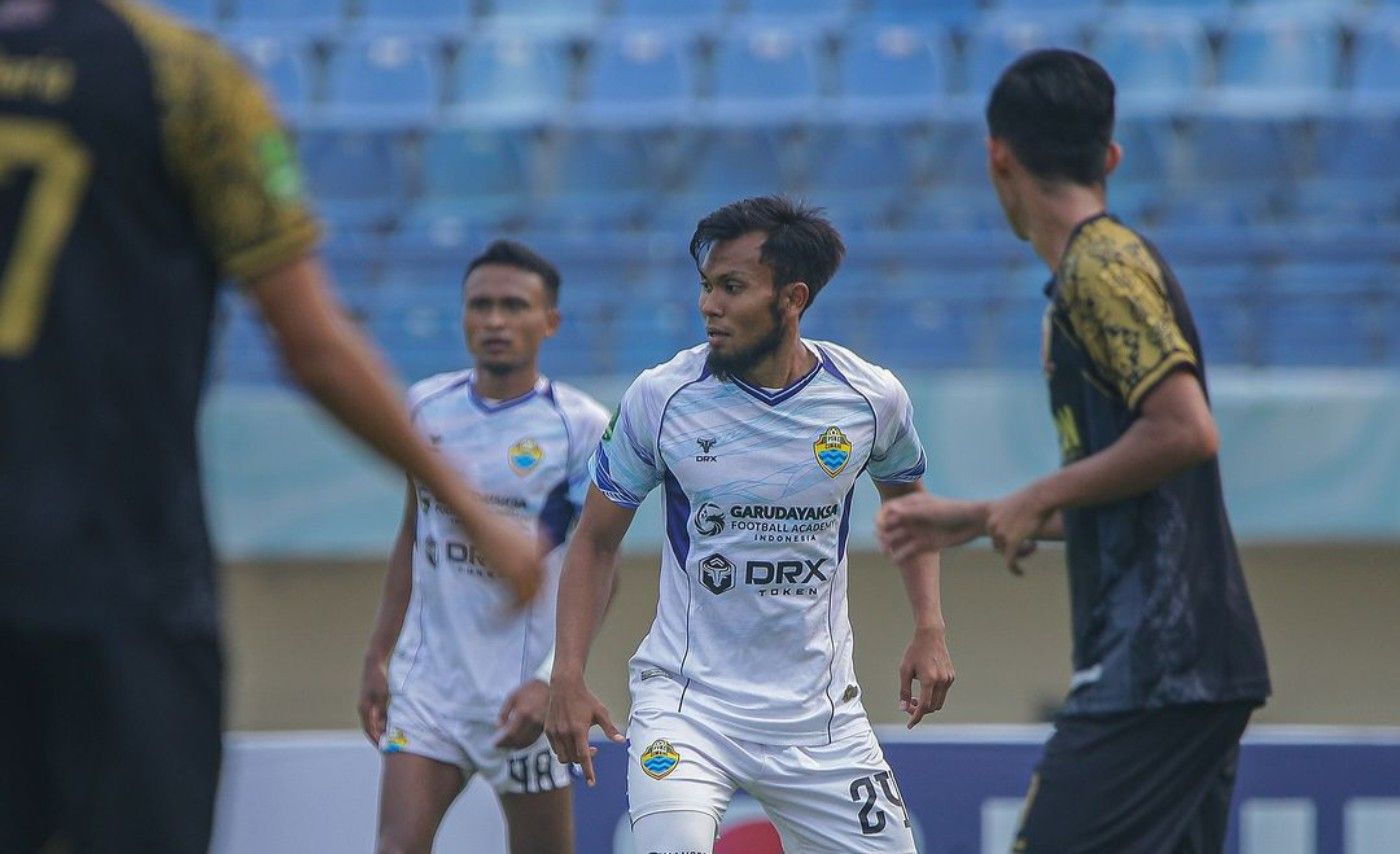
x,y
926,659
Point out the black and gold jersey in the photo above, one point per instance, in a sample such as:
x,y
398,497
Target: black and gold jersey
x,y
140,165
1161,615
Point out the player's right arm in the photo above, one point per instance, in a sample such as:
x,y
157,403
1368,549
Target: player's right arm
x,y
924,522
227,152
393,605
585,585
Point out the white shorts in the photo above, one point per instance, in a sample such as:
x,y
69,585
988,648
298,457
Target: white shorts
x,y
839,797
470,745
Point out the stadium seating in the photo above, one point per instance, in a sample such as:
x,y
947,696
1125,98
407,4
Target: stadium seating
x,y
1260,143
385,79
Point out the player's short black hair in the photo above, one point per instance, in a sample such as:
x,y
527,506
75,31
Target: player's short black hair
x,y
512,253
1054,108
801,243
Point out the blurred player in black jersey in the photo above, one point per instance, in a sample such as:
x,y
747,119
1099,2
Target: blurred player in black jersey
x,y
1167,655
139,165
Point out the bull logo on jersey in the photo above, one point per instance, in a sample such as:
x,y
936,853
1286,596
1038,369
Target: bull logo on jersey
x,y
660,759
524,456
833,451
717,573
709,520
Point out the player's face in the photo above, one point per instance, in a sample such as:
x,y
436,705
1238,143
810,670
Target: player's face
x,y
506,315
744,314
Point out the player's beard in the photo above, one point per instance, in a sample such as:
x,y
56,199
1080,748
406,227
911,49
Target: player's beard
x,y
737,363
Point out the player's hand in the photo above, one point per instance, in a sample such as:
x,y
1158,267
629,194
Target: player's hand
x,y
1013,523
513,553
522,715
374,697
920,522
573,710
927,662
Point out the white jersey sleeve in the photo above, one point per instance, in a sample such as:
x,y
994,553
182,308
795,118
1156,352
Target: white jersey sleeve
x,y
586,422
897,455
626,464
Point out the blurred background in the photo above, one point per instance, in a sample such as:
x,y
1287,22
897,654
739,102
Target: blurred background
x,y
1261,146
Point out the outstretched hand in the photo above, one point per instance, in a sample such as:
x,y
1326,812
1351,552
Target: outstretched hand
x,y
926,661
920,522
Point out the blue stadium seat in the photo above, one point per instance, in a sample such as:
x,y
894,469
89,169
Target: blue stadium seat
x,y
1154,60
383,79
860,173
359,178
201,13
419,17
285,68
764,74
510,77
807,14
644,75
959,154
473,176
894,70
1375,72
1288,59
1324,315
288,17
1352,176
692,15
1224,300
1233,150
723,165
990,48
543,17
600,178
1151,164
916,13
1209,8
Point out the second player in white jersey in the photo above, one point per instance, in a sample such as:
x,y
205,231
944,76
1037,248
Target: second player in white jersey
x,y
463,648
455,678
758,488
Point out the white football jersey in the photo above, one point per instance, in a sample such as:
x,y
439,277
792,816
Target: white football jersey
x,y
751,628
463,648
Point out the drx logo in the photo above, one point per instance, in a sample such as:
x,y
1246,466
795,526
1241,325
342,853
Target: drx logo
x,y
706,445
717,573
709,520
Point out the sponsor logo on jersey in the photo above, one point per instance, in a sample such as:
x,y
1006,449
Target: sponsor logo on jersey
x,y
833,450
772,577
524,455
717,573
660,759
708,520
706,445
776,523
396,741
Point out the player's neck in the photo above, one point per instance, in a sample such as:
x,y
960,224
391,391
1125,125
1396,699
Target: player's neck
x,y
786,365
1054,213
506,385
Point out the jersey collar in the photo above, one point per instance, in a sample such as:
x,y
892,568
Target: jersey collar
x,y
773,398
490,408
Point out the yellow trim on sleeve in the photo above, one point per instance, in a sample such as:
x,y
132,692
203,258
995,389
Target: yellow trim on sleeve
x,y
1149,381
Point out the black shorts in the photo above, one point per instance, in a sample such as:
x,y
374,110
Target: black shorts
x,y
1150,782
111,740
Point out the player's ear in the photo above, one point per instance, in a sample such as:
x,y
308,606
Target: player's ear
x,y
552,320
799,296
998,157
1112,158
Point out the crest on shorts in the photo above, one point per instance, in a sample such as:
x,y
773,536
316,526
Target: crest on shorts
x,y
524,456
396,741
833,451
660,759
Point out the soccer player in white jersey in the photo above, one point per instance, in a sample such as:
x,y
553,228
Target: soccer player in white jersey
x,y
746,679
456,679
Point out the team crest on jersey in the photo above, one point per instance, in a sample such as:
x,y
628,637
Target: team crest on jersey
x,y
660,759
396,741
833,450
524,456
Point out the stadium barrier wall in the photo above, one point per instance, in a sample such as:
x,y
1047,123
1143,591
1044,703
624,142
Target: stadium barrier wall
x,y
1300,791
1307,455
